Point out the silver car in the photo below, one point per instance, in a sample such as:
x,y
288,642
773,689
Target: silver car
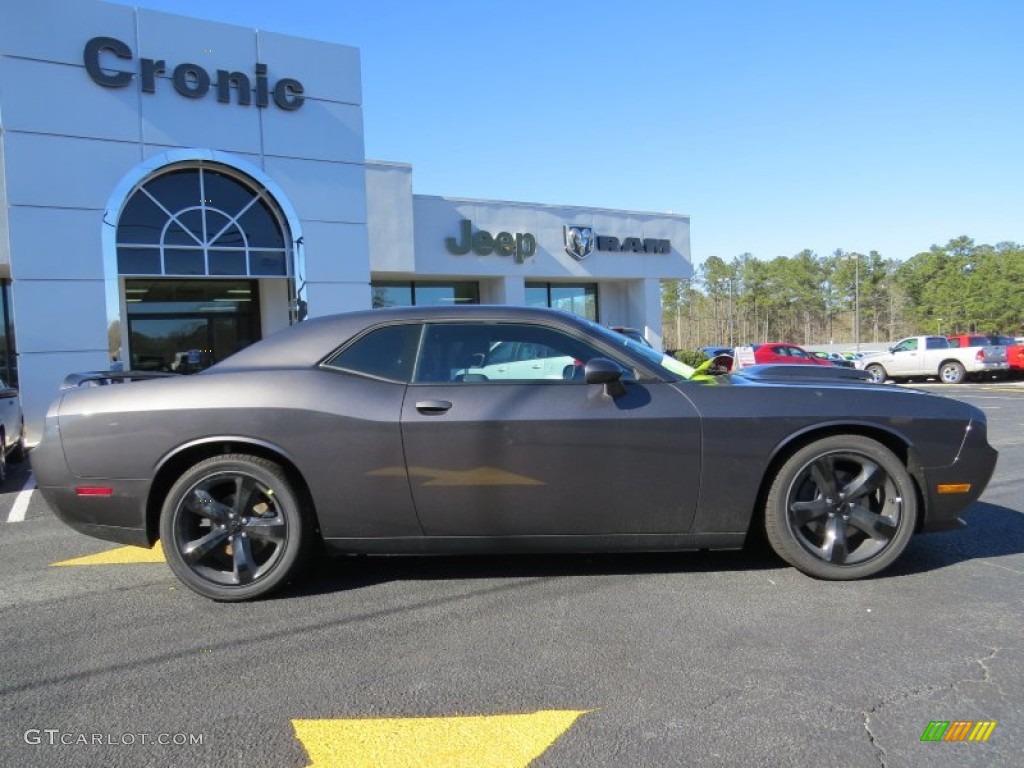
x,y
12,429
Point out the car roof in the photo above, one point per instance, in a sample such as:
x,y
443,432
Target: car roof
x,y
305,344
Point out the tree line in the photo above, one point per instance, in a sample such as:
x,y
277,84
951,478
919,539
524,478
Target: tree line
x,y
844,297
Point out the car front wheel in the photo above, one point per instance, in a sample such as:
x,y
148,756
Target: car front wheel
x,y
233,528
841,508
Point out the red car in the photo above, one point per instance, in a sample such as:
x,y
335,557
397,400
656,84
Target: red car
x,y
780,352
1014,350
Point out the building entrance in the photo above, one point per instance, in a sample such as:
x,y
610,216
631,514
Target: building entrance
x,y
185,326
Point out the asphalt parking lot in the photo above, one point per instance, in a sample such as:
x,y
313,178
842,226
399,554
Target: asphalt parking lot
x,y
689,659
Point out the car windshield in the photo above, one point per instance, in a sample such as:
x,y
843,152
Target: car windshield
x,y
669,366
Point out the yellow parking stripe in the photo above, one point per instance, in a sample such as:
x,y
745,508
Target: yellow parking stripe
x,y
479,741
120,556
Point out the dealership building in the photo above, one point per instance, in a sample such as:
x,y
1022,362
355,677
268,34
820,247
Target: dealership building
x,y
173,189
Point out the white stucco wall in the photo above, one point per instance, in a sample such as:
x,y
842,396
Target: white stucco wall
x,y
438,218
68,142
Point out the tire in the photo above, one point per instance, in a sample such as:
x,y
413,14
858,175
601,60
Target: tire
x,y
18,452
233,528
3,458
877,373
841,508
952,372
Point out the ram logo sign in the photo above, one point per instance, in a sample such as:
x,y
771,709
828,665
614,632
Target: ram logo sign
x,y
579,242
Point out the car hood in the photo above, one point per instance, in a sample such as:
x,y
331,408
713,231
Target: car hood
x,y
803,374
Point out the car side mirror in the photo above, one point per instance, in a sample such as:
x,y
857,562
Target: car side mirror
x,y
477,360
601,370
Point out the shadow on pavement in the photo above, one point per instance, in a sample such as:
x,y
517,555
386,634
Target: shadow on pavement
x,y
338,574
992,531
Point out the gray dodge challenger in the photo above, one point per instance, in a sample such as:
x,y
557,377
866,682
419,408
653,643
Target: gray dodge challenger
x,y
498,429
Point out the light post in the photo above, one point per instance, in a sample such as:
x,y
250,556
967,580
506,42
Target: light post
x,y
856,297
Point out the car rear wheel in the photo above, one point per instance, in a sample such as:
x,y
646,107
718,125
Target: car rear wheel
x,y
952,372
877,373
841,508
233,528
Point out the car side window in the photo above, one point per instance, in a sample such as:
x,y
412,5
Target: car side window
x,y
493,352
388,352
908,345
931,343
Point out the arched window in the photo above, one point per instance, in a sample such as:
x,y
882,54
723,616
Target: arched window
x,y
202,220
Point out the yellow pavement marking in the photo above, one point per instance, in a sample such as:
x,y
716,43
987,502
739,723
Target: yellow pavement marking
x,y
120,556
477,741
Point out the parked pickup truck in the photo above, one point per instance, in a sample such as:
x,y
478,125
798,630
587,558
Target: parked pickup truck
x,y
1014,348
923,356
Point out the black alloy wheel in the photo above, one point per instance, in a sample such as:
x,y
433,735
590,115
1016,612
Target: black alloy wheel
x,y
841,508
233,528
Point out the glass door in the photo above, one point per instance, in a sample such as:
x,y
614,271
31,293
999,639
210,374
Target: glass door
x,y
184,326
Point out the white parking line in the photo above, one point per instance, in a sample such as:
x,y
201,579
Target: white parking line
x,y
20,507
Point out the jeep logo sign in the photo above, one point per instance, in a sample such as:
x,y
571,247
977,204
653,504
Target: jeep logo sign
x,y
190,80
520,246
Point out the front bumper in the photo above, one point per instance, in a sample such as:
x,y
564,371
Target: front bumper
x,y
973,467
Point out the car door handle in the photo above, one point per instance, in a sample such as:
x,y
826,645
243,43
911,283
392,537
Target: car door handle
x,y
432,406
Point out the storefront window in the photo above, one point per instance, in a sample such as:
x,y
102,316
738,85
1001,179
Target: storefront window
x,y
579,299
188,325
392,293
201,221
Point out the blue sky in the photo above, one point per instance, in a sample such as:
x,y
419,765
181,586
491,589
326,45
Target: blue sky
x,y
775,125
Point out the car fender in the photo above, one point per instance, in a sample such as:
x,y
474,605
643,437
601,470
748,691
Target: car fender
x,y
232,440
881,432
177,460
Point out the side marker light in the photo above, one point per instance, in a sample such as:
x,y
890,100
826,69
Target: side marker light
x,y
94,490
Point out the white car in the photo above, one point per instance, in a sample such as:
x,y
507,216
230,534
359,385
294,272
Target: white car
x,y
12,430
521,360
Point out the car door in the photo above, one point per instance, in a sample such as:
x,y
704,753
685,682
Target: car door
x,y
906,359
497,362
541,456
